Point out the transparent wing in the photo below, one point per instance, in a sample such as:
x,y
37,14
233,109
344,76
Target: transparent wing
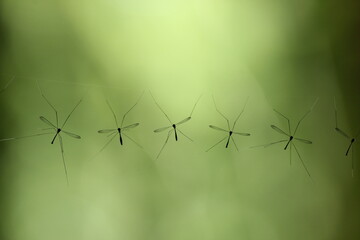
x,y
217,128
304,140
269,144
242,134
279,130
131,126
71,134
183,121
342,132
162,129
107,130
47,122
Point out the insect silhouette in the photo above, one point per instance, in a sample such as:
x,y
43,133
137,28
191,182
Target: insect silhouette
x,y
58,129
351,139
120,130
291,136
229,130
173,127
7,85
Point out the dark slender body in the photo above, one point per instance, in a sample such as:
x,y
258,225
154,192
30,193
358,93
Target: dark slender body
x,y
290,139
57,133
174,126
352,141
227,143
121,141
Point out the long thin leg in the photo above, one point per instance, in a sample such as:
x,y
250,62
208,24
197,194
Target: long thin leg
x,y
184,135
15,138
192,111
43,95
106,144
112,111
67,118
45,129
269,144
133,140
160,108
247,99
237,149
352,162
288,120
7,84
227,120
335,110
307,113
167,138
217,143
290,153
357,134
122,121
301,160
63,158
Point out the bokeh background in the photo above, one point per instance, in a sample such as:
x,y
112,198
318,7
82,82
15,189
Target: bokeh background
x,y
282,54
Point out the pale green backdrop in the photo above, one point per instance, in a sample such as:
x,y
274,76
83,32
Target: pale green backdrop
x,y
280,54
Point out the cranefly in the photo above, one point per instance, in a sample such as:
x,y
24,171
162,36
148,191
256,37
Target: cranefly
x,y
229,130
291,136
352,140
58,129
120,129
173,127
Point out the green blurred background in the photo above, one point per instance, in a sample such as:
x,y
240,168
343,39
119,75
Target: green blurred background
x,y
282,54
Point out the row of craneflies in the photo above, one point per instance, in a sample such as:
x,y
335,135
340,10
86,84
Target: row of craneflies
x,y
120,130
